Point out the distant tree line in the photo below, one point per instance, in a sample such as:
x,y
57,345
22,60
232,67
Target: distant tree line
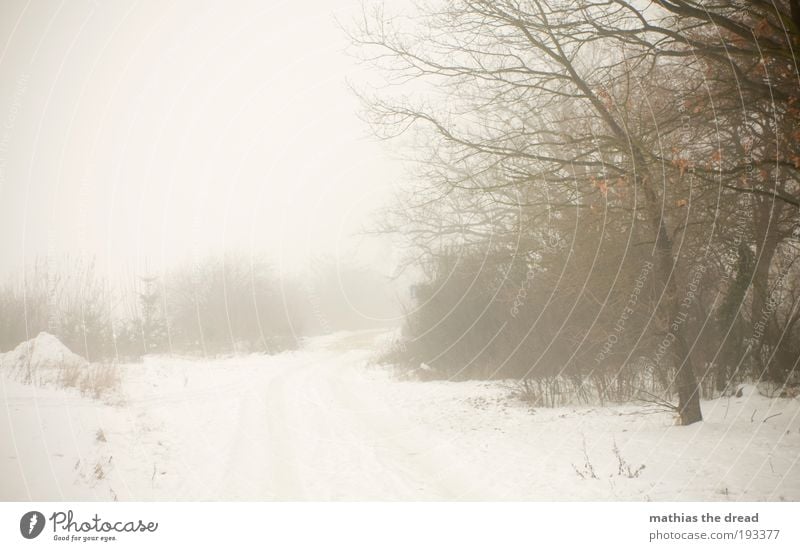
x,y
231,304
608,192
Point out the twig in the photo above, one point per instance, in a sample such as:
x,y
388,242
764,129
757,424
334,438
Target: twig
x,y
588,468
656,400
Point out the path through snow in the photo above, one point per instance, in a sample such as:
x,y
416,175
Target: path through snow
x,y
320,424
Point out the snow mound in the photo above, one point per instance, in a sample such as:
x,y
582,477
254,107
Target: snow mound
x,y
43,360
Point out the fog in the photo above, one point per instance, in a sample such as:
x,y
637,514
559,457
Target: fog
x,y
151,134
442,250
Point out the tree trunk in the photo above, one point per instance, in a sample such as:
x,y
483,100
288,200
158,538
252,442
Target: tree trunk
x,y
730,331
688,389
766,246
685,379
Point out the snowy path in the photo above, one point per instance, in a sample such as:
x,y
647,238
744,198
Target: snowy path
x,y
319,431
296,426
320,424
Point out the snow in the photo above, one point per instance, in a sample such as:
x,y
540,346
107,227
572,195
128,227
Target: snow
x,y
43,360
746,449
324,423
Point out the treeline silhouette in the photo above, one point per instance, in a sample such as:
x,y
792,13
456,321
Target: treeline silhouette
x,y
231,304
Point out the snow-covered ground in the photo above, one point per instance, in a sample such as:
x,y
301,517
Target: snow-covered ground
x,y
321,423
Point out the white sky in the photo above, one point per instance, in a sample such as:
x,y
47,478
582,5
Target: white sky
x,y
159,130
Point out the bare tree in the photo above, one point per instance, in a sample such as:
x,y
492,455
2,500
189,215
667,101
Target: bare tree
x,y
554,107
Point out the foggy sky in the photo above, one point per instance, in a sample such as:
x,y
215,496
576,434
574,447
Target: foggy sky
x,y
152,132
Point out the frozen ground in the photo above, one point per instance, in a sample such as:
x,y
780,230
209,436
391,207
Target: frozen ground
x,y
320,424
